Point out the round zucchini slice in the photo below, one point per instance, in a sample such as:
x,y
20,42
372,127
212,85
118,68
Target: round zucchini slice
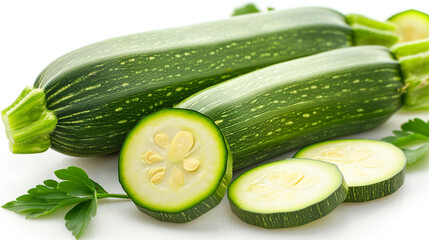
x,y
412,25
175,165
372,169
287,193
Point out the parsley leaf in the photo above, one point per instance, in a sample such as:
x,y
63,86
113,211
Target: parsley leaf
x,y
248,8
413,139
415,154
78,218
76,189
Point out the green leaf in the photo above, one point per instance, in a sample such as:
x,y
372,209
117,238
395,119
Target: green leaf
x,y
78,218
246,9
75,176
36,207
413,139
77,183
41,200
98,188
415,154
51,183
417,126
76,189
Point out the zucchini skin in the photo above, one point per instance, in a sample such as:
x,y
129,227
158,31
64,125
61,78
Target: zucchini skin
x,y
292,219
99,92
296,103
376,190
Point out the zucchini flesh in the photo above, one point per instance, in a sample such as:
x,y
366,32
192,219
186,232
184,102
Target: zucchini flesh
x,y
96,94
292,104
372,169
287,193
411,25
175,165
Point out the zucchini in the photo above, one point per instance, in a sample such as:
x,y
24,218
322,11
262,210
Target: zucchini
x,y
175,165
307,100
372,169
85,102
411,25
296,103
287,193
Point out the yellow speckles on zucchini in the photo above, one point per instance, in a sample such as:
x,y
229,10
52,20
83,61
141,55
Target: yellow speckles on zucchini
x,y
288,105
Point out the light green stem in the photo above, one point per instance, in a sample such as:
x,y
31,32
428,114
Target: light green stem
x,y
112,195
414,60
367,31
28,122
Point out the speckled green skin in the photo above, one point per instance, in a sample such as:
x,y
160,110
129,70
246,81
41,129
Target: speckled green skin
x,y
296,103
376,190
292,219
99,92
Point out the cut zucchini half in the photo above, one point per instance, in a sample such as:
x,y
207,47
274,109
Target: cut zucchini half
x,y
175,165
412,25
287,193
372,169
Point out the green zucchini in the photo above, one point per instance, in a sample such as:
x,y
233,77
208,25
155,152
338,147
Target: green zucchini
x,y
307,100
175,165
287,193
411,25
372,169
292,104
85,102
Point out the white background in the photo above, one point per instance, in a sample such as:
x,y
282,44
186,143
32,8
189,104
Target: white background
x,y
35,32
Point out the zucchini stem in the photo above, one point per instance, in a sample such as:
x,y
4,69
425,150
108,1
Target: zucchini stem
x,y
28,122
367,31
414,60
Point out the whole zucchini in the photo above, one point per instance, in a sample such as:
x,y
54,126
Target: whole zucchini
x,y
85,102
293,104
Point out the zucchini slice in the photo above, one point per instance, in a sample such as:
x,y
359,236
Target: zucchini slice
x,y
175,165
287,193
411,25
372,169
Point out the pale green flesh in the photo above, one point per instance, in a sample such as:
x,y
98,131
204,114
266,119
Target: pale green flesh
x,y
412,25
271,188
362,162
208,146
